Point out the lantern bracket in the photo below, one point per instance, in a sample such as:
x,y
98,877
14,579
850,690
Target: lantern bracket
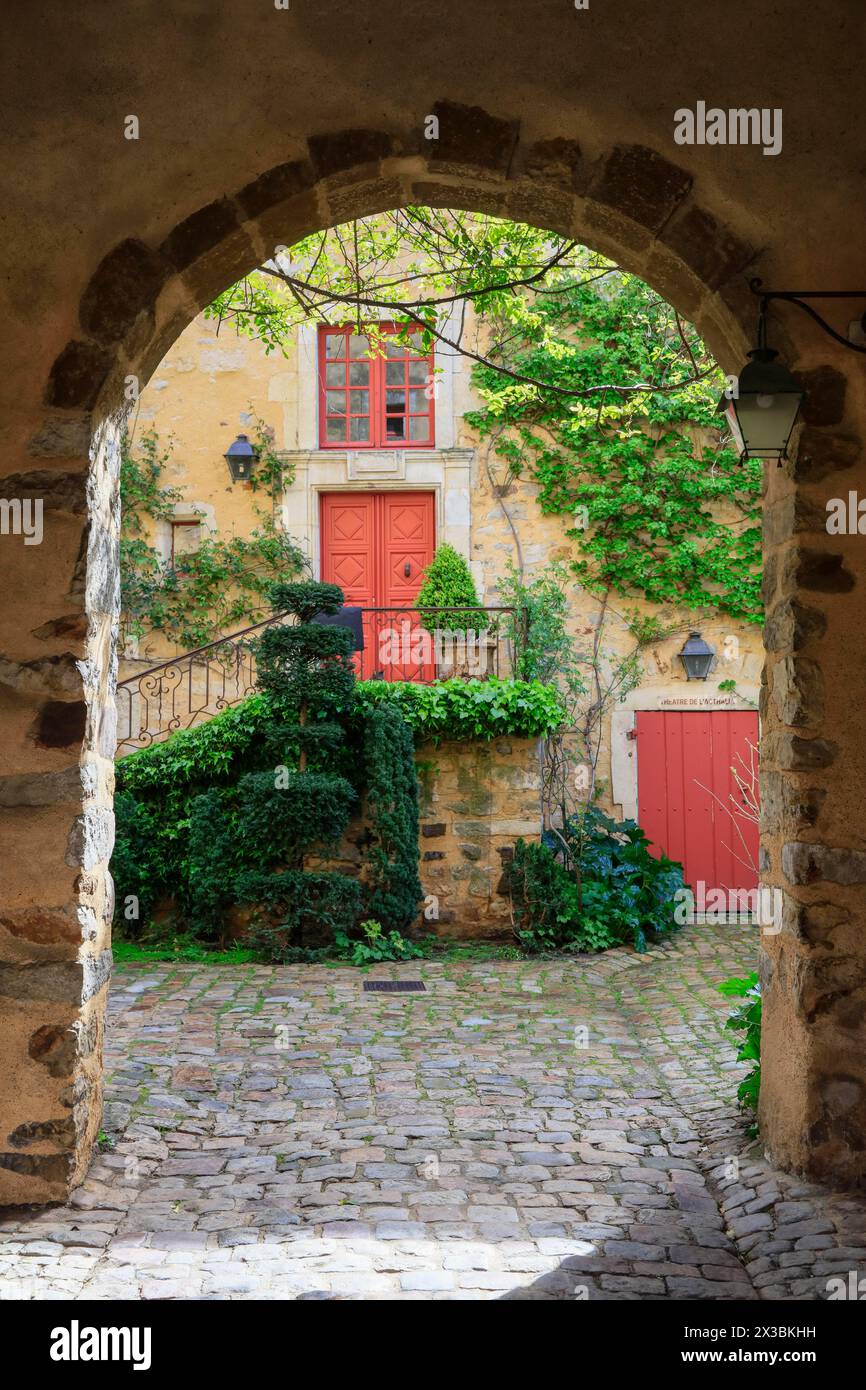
x,y
799,297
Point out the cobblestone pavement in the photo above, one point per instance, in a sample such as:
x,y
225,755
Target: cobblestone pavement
x,y
521,1130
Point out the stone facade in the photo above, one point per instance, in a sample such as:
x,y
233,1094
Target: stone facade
x,y
118,244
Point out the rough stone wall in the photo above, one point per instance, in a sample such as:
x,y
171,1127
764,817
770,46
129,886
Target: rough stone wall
x,y
476,800
116,246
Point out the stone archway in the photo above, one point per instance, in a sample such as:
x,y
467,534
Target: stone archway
x,y
647,212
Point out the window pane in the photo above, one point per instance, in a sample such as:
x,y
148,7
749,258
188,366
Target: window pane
x,y
393,348
416,338
359,345
335,374
359,373
395,373
395,426
395,402
335,345
359,428
419,428
359,402
335,431
418,401
335,402
418,373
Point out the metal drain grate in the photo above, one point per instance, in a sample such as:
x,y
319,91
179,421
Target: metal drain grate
x,y
394,987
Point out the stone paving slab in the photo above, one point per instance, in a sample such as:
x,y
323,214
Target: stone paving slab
x,y
524,1129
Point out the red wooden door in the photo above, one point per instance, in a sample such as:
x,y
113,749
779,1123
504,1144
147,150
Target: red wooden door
x,y
376,546
688,797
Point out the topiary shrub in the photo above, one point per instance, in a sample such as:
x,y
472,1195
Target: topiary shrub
x,y
448,583
393,888
293,907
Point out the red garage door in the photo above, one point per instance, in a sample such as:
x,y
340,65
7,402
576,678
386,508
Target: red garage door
x,y
376,546
688,797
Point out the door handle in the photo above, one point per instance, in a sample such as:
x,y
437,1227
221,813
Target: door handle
x,y
407,569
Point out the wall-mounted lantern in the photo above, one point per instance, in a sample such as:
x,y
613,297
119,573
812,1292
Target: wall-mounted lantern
x,y
764,409
764,402
241,458
697,657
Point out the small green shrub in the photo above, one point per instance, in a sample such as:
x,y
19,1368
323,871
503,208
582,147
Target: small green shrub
x,y
377,946
747,1020
448,583
613,892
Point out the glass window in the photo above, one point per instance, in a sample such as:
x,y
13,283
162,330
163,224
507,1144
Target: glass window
x,y
377,400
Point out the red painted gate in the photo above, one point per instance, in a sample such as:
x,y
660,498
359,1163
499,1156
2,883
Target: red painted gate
x,y
688,794
376,545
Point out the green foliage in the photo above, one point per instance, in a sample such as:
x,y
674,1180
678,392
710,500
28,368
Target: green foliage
x,y
210,862
747,1020
656,512
544,649
616,891
377,945
393,889
448,583
471,709
228,813
277,824
198,596
289,908
306,599
139,863
305,667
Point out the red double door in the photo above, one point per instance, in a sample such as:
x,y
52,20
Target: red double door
x,y
376,546
690,802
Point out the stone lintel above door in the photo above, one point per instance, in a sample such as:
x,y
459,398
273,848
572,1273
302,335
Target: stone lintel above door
x,y
447,473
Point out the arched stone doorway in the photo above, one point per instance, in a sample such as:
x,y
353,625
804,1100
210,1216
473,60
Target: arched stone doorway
x,y
102,318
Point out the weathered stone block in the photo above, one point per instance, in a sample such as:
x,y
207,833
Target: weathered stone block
x,y
60,724
825,396
348,149
126,282
283,181
808,863
790,626
470,137
798,690
819,454
199,233
710,250
641,184
77,376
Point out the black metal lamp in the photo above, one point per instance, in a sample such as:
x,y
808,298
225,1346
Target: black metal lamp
x,y
241,458
697,657
764,409
763,406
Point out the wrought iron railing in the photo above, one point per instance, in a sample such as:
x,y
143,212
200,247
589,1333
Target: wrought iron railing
x,y
400,644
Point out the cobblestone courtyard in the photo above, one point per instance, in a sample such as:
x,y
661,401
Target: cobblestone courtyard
x,y
521,1130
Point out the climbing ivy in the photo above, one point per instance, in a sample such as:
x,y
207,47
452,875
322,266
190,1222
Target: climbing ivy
x,y
659,505
224,583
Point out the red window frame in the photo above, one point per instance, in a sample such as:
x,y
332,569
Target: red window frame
x,y
373,382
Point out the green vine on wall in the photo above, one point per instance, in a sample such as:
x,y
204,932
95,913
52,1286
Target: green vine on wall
x,y
201,595
660,505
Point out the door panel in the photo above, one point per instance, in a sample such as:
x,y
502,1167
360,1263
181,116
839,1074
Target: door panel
x,y
376,545
688,797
